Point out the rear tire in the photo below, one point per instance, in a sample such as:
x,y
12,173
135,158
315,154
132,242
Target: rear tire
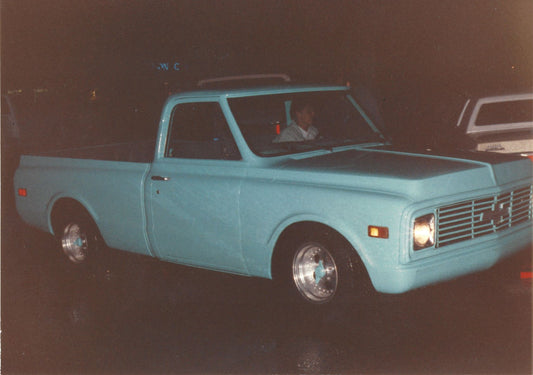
x,y
79,238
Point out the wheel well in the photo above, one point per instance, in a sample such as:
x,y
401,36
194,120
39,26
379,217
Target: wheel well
x,y
64,207
308,230
299,231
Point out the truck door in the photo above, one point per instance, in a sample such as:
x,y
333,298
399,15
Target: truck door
x,y
193,190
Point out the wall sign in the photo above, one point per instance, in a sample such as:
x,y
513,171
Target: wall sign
x,y
167,66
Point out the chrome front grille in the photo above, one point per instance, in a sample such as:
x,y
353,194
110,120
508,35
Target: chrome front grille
x,y
478,217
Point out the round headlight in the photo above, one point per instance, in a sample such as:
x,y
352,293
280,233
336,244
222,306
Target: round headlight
x,y
424,232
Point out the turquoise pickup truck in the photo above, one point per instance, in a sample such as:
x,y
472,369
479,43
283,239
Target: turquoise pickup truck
x,y
333,209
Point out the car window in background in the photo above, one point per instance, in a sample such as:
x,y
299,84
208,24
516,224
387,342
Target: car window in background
x,y
5,107
505,112
15,116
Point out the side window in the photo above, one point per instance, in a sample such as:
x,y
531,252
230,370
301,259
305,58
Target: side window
x,y
200,131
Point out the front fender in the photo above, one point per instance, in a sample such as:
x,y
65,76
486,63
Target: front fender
x,y
267,211
328,222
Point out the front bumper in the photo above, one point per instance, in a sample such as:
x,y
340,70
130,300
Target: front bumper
x,y
479,255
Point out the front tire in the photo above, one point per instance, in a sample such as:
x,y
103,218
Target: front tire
x,y
315,273
320,268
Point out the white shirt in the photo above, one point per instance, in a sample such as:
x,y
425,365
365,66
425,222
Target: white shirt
x,y
293,133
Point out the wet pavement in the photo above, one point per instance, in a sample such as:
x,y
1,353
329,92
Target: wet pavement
x,y
140,316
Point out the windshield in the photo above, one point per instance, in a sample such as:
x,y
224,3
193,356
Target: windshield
x,y
297,122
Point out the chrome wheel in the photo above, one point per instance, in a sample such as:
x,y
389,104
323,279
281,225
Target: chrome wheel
x,y
315,273
74,243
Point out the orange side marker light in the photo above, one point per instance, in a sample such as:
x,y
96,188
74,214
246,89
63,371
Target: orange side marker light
x,y
22,192
526,275
378,232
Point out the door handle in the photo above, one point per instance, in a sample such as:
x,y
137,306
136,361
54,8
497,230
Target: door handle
x,y
160,178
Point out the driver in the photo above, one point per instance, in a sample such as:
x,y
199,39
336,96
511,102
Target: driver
x,y
301,128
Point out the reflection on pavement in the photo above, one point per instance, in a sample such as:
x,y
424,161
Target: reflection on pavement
x,y
146,316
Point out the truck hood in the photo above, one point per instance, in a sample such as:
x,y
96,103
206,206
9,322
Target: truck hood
x,y
413,174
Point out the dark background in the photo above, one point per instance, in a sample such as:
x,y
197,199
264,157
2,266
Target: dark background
x,y
419,58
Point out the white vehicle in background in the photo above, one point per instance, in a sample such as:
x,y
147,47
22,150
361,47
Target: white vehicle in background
x,y
502,123
246,80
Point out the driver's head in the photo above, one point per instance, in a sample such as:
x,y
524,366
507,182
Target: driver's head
x,y
302,113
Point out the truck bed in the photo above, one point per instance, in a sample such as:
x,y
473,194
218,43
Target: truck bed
x,y
137,152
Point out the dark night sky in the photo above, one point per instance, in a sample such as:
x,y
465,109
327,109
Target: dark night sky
x,y
398,48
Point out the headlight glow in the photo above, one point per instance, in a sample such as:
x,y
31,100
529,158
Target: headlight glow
x,y
424,232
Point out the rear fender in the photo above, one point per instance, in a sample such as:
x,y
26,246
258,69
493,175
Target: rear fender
x,y
68,199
